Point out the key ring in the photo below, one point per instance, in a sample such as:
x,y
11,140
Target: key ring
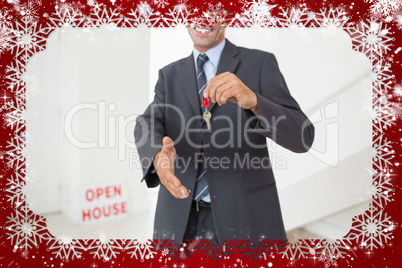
x,y
205,102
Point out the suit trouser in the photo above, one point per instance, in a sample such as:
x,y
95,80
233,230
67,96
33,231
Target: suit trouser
x,y
200,225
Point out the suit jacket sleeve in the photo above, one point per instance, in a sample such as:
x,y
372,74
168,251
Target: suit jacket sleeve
x,y
280,117
149,132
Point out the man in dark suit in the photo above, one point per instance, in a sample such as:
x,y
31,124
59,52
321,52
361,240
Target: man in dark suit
x,y
249,102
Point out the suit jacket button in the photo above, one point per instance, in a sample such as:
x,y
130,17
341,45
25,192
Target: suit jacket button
x,y
189,191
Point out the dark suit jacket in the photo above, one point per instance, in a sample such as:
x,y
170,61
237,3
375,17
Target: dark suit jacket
x,y
244,197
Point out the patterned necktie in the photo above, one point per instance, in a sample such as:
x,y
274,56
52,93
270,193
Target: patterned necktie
x,y
201,185
201,77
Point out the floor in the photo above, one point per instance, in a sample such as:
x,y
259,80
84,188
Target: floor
x,y
138,226
300,233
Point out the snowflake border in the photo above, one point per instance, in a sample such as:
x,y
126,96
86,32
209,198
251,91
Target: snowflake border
x,y
369,37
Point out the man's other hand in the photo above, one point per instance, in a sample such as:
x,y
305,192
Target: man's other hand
x,y
164,165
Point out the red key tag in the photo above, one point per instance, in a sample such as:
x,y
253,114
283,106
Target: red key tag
x,y
206,115
205,102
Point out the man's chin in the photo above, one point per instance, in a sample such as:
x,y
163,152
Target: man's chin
x,y
203,45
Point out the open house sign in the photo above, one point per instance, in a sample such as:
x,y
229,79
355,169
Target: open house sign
x,y
104,202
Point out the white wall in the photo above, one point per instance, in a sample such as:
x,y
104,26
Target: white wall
x,y
320,69
332,84
102,71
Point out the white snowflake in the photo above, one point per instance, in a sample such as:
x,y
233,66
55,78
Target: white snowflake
x,y
330,251
66,15
182,7
14,116
94,4
5,33
382,114
296,250
5,18
179,15
140,250
257,12
28,38
258,6
214,14
397,90
294,16
102,16
397,110
382,77
18,166
371,229
26,229
383,153
29,10
165,252
20,96
336,17
328,259
66,248
160,3
63,5
144,9
14,191
371,38
398,20
15,149
13,75
105,249
383,188
384,8
141,15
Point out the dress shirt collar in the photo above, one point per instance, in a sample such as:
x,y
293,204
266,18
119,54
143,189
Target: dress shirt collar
x,y
214,54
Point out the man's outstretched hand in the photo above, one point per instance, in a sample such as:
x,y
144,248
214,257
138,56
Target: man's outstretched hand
x,y
164,165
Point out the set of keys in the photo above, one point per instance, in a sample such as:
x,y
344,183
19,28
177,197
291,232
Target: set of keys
x,y
207,114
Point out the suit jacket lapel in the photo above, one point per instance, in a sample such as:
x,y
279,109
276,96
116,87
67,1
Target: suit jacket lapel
x,y
227,62
186,73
